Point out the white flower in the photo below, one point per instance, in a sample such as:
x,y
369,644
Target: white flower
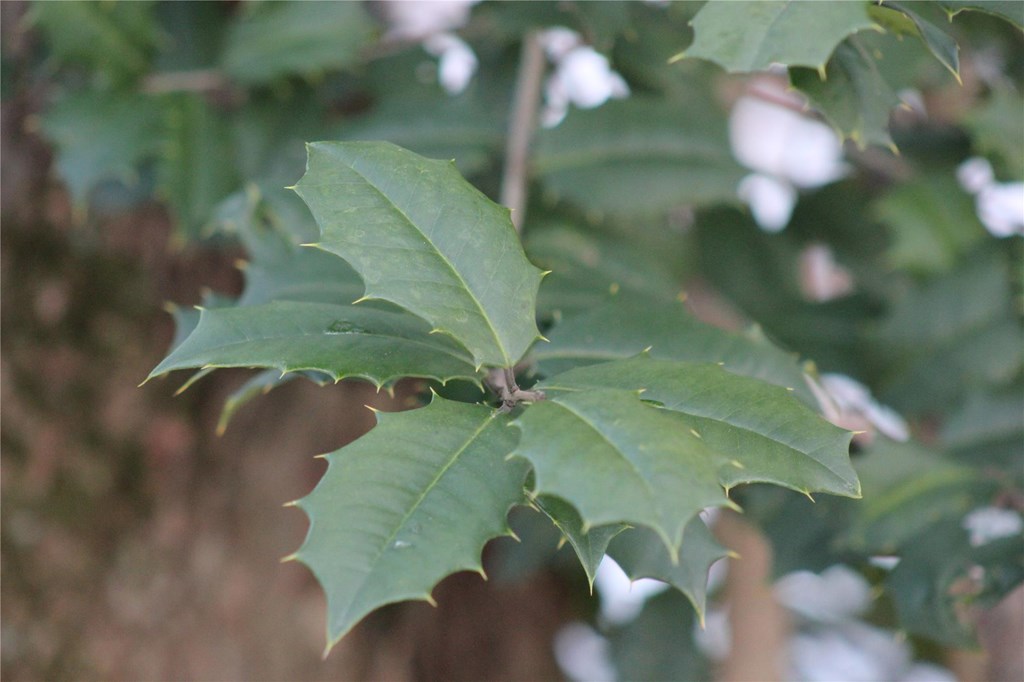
x,y
855,652
457,62
622,599
986,524
583,654
582,76
1000,206
844,400
837,594
771,200
418,19
821,277
786,149
715,638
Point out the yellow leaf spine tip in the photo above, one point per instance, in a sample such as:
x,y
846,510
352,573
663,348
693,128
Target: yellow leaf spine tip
x,y
682,296
541,337
676,58
694,432
821,72
613,288
561,543
322,456
170,307
790,389
290,557
733,554
737,464
293,503
242,264
807,494
430,600
311,245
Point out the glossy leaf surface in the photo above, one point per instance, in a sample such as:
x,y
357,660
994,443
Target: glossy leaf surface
x,y
756,432
751,36
409,503
342,341
423,238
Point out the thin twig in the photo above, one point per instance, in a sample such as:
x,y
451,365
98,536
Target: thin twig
x,y
525,102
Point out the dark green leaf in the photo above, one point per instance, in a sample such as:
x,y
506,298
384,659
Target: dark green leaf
x,y
117,38
942,599
751,36
618,460
590,269
102,136
423,238
590,545
621,330
641,554
942,45
341,341
283,38
639,156
408,504
260,384
852,95
932,220
1011,11
659,644
755,431
997,131
196,170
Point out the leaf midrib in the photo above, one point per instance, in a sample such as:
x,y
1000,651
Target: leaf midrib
x,y
416,505
444,259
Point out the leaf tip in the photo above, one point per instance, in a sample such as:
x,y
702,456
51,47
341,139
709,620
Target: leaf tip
x,y
677,58
291,557
807,494
430,600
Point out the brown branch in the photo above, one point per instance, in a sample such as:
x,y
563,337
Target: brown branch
x,y
525,103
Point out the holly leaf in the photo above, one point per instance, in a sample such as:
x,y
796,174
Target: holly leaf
x,y
590,544
942,45
622,329
1012,12
942,600
589,269
341,341
261,384
851,93
272,40
101,136
423,238
195,170
407,504
754,431
641,555
638,156
618,460
751,36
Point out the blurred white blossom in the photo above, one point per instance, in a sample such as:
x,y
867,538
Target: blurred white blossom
x,y
715,638
583,654
417,19
853,652
622,599
456,61
837,594
1000,206
821,277
786,150
986,524
431,22
582,76
849,404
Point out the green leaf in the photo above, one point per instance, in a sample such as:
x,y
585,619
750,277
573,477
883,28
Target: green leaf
x,y
756,432
751,36
101,136
942,45
117,38
932,220
988,429
282,38
1010,11
588,269
407,504
947,333
618,460
261,384
590,545
620,330
941,599
638,156
341,341
853,95
196,169
425,239
659,644
642,555
996,129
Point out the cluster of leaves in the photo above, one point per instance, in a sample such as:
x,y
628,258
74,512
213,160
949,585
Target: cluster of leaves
x,y
650,416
